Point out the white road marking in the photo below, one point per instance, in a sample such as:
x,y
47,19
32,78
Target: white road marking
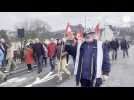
x,y
30,85
48,75
13,81
45,79
38,79
9,81
17,80
20,80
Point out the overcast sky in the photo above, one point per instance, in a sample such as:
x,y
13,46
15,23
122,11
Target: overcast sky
x,y
58,20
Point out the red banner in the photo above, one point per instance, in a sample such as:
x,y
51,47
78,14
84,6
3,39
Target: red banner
x,y
69,33
98,30
80,33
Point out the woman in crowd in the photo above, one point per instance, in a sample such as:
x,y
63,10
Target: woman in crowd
x,y
9,57
28,56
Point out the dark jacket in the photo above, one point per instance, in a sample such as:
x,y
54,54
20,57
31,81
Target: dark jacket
x,y
124,45
58,50
87,62
114,44
38,49
71,50
106,66
88,52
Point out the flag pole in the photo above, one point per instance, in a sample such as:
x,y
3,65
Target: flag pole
x,y
61,54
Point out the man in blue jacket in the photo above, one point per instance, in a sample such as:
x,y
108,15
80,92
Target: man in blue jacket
x,y
87,67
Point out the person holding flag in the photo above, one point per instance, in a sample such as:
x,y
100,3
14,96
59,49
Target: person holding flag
x,y
92,59
68,33
62,53
80,38
71,44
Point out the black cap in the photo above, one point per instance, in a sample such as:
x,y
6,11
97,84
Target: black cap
x,y
91,32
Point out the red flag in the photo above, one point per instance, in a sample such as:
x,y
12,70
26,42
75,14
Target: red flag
x,y
97,29
80,33
69,33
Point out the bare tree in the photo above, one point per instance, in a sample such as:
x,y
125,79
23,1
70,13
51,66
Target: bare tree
x,y
40,26
35,28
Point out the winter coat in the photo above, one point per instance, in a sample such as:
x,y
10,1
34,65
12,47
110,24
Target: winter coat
x,y
71,50
106,66
1,56
38,50
58,51
88,53
87,66
45,50
52,50
4,48
114,45
124,45
28,56
77,56
10,53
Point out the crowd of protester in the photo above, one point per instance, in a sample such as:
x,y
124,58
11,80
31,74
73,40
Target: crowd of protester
x,y
87,57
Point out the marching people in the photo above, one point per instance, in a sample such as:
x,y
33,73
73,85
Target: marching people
x,y
91,62
79,43
71,49
3,76
124,47
34,54
46,52
90,57
38,52
28,56
117,42
11,66
106,66
52,53
114,47
62,60
86,73
4,49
